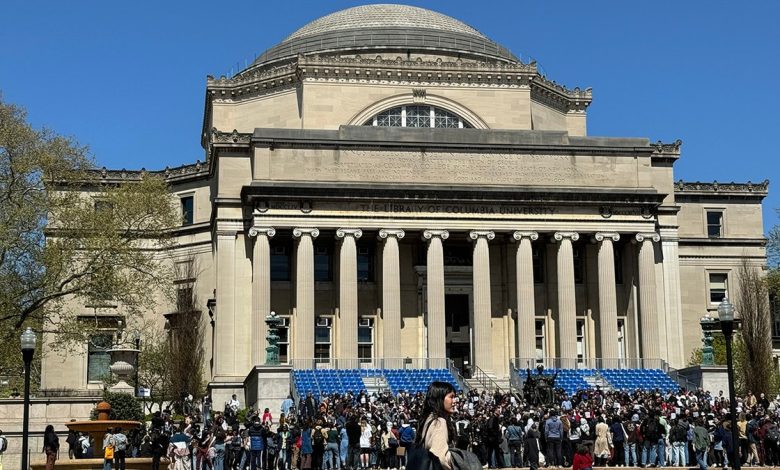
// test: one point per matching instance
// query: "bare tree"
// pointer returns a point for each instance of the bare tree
(752, 303)
(187, 327)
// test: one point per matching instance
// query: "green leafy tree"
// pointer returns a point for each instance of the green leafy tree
(66, 233)
(123, 407)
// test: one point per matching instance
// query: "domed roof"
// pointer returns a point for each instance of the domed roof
(386, 27)
(384, 15)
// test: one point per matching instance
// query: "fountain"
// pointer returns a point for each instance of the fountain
(97, 429)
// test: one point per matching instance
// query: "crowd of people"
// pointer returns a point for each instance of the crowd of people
(361, 431)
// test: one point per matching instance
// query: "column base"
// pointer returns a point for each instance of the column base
(267, 387)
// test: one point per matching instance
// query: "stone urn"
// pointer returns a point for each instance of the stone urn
(122, 366)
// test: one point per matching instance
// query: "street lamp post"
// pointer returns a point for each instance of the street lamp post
(726, 316)
(28, 350)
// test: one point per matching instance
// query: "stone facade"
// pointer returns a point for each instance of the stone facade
(510, 236)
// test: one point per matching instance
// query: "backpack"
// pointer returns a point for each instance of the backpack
(773, 434)
(236, 443)
(407, 435)
(120, 442)
(392, 441)
(256, 443)
(319, 439)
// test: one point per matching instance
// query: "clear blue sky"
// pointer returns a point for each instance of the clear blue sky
(128, 78)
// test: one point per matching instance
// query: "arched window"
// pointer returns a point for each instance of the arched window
(418, 116)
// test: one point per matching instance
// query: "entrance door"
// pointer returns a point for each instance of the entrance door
(457, 322)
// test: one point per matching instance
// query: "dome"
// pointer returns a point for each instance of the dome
(386, 27)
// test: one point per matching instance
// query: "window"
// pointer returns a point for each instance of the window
(322, 265)
(538, 264)
(541, 344)
(322, 331)
(418, 116)
(621, 337)
(579, 264)
(187, 210)
(714, 224)
(280, 262)
(365, 263)
(582, 349)
(98, 357)
(184, 299)
(458, 255)
(103, 206)
(718, 290)
(284, 340)
(366, 339)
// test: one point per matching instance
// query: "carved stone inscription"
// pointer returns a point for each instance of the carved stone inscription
(455, 168)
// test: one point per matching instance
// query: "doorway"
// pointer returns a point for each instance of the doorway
(458, 324)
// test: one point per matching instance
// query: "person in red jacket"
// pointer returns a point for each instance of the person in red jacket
(582, 459)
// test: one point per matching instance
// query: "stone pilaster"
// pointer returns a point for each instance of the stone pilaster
(648, 303)
(225, 357)
(435, 281)
(483, 343)
(607, 294)
(526, 304)
(671, 268)
(304, 292)
(261, 290)
(567, 305)
(391, 293)
(348, 293)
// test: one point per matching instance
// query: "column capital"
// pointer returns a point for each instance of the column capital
(349, 232)
(559, 236)
(267, 231)
(601, 236)
(429, 234)
(298, 232)
(391, 232)
(519, 235)
(649, 236)
(477, 234)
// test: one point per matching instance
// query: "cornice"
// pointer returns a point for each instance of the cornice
(464, 73)
(682, 188)
(173, 175)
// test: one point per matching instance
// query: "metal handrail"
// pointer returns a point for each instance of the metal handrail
(383, 363)
(294, 388)
(521, 363)
(484, 379)
(456, 374)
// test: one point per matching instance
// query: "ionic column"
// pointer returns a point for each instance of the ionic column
(607, 294)
(648, 305)
(225, 356)
(435, 280)
(526, 305)
(348, 295)
(567, 305)
(304, 292)
(483, 343)
(261, 290)
(391, 293)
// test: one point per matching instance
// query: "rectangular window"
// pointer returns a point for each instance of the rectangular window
(718, 290)
(187, 210)
(714, 224)
(280, 262)
(184, 299)
(538, 264)
(98, 357)
(284, 340)
(579, 264)
(322, 264)
(365, 263)
(103, 206)
(541, 344)
(366, 339)
(322, 339)
(582, 349)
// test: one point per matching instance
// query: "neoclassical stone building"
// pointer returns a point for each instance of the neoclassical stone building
(396, 185)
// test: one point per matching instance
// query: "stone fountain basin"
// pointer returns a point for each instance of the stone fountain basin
(97, 429)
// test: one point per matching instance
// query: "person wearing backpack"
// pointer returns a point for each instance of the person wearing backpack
(701, 443)
(405, 441)
(256, 445)
(108, 449)
(679, 439)
(120, 449)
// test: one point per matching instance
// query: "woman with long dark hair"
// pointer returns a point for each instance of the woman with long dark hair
(435, 430)
(51, 446)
